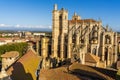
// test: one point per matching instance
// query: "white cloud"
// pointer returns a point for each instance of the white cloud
(26, 26)
(4, 25)
(50, 27)
(17, 25)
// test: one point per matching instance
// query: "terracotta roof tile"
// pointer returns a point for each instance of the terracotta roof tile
(94, 72)
(77, 71)
(81, 21)
(25, 67)
(57, 74)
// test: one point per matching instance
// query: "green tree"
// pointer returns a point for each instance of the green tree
(20, 47)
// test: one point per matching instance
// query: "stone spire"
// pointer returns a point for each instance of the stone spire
(75, 13)
(55, 7)
(76, 17)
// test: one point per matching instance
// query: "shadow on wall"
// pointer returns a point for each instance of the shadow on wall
(19, 73)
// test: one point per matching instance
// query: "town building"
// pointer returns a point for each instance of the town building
(9, 58)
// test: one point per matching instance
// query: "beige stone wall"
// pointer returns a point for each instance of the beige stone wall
(6, 62)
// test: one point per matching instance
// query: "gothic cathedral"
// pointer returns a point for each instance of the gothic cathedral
(78, 38)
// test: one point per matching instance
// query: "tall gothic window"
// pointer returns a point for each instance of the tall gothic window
(74, 38)
(95, 28)
(60, 24)
(107, 39)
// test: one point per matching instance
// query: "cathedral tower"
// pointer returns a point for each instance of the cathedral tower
(59, 30)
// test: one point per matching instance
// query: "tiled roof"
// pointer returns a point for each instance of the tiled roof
(10, 54)
(93, 72)
(91, 58)
(57, 74)
(77, 71)
(81, 21)
(25, 68)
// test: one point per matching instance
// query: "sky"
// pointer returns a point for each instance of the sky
(38, 13)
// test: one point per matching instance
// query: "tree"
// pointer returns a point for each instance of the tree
(20, 47)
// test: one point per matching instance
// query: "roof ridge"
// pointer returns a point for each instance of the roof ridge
(30, 48)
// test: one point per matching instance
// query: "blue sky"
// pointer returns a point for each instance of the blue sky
(38, 13)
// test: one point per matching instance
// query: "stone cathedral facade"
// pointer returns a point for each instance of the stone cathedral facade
(78, 37)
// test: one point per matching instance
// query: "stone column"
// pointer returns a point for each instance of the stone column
(103, 52)
(118, 47)
(96, 50)
(37, 47)
(62, 47)
(112, 55)
(44, 47)
(82, 57)
(108, 57)
(99, 40)
(69, 44)
(115, 43)
(83, 62)
(86, 46)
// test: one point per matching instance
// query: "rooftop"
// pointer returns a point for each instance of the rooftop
(10, 54)
(82, 21)
(77, 71)
(25, 67)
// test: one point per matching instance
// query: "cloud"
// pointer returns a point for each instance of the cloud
(26, 26)
(4, 25)
(17, 25)
(50, 27)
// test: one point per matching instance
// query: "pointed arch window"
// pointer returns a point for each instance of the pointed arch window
(107, 39)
